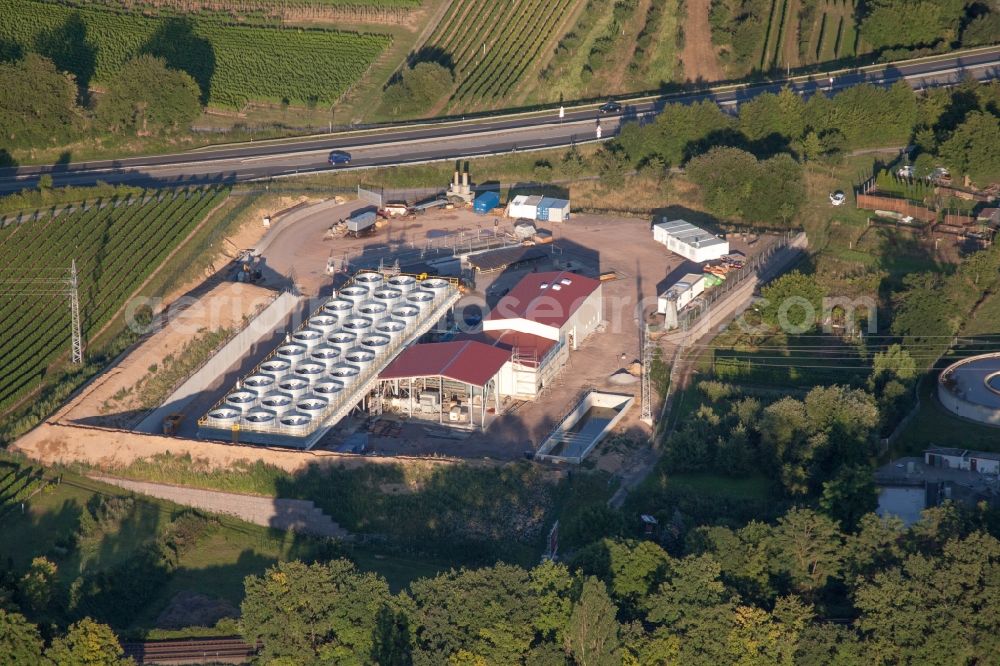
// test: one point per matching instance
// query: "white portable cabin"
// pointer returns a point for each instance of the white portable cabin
(551, 209)
(544, 209)
(679, 296)
(523, 206)
(691, 242)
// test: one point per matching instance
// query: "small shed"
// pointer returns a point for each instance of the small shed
(486, 202)
(524, 206)
(551, 209)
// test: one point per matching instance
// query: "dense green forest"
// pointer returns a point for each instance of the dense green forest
(800, 590)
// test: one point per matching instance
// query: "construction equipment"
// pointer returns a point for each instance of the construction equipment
(247, 267)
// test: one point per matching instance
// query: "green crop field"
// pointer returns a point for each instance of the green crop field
(17, 484)
(116, 243)
(831, 33)
(232, 63)
(491, 44)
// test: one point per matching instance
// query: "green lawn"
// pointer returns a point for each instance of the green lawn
(986, 320)
(215, 567)
(935, 426)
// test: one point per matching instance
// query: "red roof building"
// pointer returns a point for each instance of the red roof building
(524, 345)
(548, 305)
(465, 361)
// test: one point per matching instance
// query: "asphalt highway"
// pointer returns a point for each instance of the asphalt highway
(454, 139)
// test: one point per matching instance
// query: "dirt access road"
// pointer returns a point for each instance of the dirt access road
(700, 57)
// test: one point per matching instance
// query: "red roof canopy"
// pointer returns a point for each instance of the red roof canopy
(508, 339)
(552, 304)
(464, 361)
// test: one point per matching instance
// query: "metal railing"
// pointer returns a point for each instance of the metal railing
(693, 312)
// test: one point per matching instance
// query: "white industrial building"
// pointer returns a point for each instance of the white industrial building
(984, 462)
(691, 242)
(544, 209)
(679, 296)
(539, 321)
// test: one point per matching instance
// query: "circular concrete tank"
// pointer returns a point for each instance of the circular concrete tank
(291, 352)
(338, 307)
(324, 323)
(970, 388)
(277, 402)
(275, 367)
(326, 355)
(260, 417)
(241, 400)
(360, 357)
(296, 387)
(342, 340)
(308, 337)
(358, 325)
(223, 417)
(405, 283)
(259, 384)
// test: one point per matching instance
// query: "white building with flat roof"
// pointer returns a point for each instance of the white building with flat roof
(679, 296)
(691, 242)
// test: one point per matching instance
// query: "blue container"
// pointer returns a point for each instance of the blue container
(542, 214)
(486, 202)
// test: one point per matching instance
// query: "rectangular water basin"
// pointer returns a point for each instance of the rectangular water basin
(584, 427)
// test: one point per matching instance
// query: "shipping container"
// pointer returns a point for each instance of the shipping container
(486, 202)
(551, 209)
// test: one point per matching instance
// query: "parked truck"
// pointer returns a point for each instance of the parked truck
(361, 222)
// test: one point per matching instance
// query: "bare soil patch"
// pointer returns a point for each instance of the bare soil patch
(700, 57)
(112, 450)
(114, 398)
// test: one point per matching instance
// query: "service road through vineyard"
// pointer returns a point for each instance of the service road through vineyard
(116, 243)
(233, 64)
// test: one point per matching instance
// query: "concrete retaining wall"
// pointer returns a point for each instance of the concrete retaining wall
(259, 327)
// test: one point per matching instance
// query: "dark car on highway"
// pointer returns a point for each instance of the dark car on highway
(340, 157)
(610, 107)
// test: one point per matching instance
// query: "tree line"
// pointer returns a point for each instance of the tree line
(749, 165)
(801, 590)
(42, 106)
